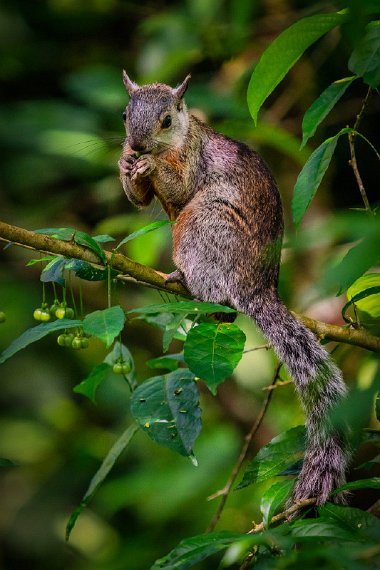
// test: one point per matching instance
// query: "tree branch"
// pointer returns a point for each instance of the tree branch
(147, 276)
(243, 453)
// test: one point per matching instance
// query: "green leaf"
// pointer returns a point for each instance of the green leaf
(145, 230)
(273, 498)
(212, 351)
(365, 59)
(103, 238)
(362, 525)
(195, 549)
(89, 385)
(274, 457)
(365, 294)
(79, 237)
(358, 260)
(169, 361)
(358, 297)
(321, 530)
(185, 307)
(171, 329)
(36, 333)
(167, 409)
(311, 176)
(322, 106)
(106, 324)
(41, 260)
(6, 462)
(106, 466)
(53, 272)
(283, 53)
(372, 483)
(85, 270)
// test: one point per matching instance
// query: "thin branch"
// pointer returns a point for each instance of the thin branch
(278, 384)
(353, 162)
(247, 442)
(132, 271)
(285, 514)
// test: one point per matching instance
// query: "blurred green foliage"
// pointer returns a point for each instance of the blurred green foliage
(60, 137)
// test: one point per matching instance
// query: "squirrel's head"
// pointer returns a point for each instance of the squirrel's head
(156, 117)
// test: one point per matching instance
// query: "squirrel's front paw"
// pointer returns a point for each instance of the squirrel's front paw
(125, 164)
(143, 166)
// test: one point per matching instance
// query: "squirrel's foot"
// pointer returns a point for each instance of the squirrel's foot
(176, 277)
(143, 166)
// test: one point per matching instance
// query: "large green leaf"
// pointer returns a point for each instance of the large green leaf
(167, 409)
(89, 385)
(283, 53)
(195, 549)
(322, 106)
(273, 498)
(145, 230)
(311, 175)
(36, 333)
(273, 458)
(365, 59)
(169, 361)
(106, 324)
(372, 483)
(212, 351)
(361, 523)
(106, 466)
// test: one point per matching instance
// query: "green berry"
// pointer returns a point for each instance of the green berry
(2, 317)
(37, 314)
(77, 342)
(84, 342)
(126, 366)
(62, 340)
(53, 308)
(60, 313)
(44, 315)
(117, 368)
(69, 340)
(69, 313)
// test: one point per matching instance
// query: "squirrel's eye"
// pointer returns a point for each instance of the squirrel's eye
(124, 116)
(167, 121)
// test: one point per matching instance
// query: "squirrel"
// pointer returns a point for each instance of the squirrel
(227, 241)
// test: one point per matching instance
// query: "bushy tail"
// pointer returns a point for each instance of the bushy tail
(320, 387)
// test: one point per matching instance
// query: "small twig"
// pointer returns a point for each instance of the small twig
(247, 442)
(285, 514)
(353, 163)
(278, 384)
(259, 347)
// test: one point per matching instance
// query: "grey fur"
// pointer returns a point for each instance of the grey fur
(226, 247)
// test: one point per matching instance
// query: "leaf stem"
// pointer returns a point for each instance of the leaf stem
(224, 493)
(353, 162)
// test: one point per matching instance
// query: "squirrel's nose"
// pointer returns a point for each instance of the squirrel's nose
(138, 147)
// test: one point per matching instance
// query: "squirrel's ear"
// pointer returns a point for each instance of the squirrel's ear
(179, 91)
(130, 85)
